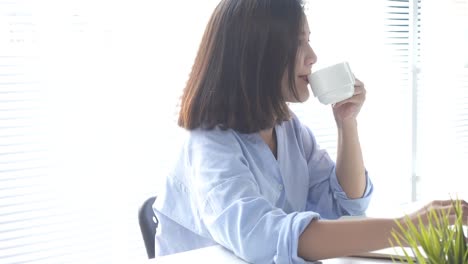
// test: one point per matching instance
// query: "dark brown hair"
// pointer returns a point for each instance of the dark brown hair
(236, 79)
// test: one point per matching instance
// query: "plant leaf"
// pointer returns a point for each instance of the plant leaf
(437, 242)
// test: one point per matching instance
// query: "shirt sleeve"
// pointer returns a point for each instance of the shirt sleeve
(326, 196)
(233, 209)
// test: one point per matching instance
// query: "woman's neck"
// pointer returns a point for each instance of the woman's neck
(269, 136)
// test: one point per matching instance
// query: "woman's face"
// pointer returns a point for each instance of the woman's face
(305, 58)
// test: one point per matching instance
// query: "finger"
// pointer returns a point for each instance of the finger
(449, 202)
(358, 82)
(359, 90)
(465, 211)
(347, 101)
(441, 202)
(443, 207)
(355, 99)
(464, 203)
(448, 210)
(453, 220)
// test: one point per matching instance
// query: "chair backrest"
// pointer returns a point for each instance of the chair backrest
(148, 225)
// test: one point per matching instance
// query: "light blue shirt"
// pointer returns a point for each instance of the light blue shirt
(227, 188)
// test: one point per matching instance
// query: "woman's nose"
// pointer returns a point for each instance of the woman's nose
(311, 57)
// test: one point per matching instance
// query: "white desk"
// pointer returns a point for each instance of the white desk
(218, 254)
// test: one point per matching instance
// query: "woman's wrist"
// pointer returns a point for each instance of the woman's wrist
(346, 124)
(347, 129)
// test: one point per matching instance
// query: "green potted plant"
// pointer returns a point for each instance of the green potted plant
(436, 242)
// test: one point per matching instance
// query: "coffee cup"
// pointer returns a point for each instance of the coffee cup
(332, 84)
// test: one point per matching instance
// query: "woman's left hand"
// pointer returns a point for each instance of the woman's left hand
(348, 109)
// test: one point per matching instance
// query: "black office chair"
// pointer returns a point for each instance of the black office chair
(148, 225)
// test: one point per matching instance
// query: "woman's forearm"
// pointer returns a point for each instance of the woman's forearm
(324, 239)
(350, 169)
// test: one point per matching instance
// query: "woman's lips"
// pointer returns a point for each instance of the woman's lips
(304, 77)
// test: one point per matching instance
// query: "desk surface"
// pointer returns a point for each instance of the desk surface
(218, 254)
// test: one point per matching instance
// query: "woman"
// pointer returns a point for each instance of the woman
(250, 176)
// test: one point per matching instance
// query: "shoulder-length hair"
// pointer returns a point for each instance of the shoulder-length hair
(247, 48)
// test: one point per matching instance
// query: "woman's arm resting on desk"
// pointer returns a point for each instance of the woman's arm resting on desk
(324, 239)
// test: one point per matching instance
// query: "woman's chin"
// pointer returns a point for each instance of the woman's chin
(305, 97)
(302, 96)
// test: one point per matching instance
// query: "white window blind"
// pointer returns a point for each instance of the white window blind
(443, 100)
(63, 197)
(396, 101)
(29, 225)
(88, 91)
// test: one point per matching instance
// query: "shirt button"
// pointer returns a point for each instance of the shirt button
(280, 187)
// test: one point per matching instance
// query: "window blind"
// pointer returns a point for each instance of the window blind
(87, 130)
(41, 218)
(395, 105)
(443, 93)
(26, 200)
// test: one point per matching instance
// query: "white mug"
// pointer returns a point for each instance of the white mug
(333, 84)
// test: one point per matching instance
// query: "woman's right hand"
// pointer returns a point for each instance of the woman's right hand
(440, 207)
